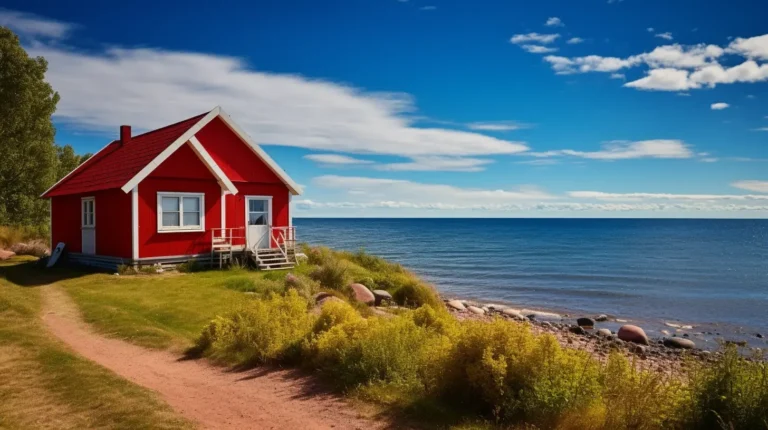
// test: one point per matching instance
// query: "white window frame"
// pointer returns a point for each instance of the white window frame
(92, 201)
(181, 229)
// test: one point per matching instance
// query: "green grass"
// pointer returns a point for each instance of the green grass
(44, 385)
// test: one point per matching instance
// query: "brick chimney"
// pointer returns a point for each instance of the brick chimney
(125, 134)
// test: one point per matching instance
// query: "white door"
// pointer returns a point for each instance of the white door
(88, 225)
(258, 218)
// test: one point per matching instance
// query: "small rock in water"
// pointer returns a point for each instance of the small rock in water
(604, 332)
(476, 310)
(758, 335)
(585, 322)
(456, 304)
(633, 333)
(602, 318)
(676, 342)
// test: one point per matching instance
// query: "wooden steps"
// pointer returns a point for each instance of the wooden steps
(274, 259)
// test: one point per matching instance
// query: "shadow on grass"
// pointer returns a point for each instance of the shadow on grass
(27, 272)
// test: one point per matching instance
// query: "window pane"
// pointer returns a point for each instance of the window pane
(90, 218)
(170, 204)
(191, 219)
(170, 219)
(256, 206)
(85, 218)
(257, 219)
(191, 204)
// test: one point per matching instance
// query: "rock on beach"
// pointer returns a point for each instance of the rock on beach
(382, 295)
(678, 342)
(456, 304)
(476, 310)
(362, 294)
(514, 314)
(633, 333)
(585, 322)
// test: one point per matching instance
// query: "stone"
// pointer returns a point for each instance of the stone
(514, 314)
(601, 318)
(585, 322)
(633, 333)
(456, 304)
(576, 329)
(321, 295)
(679, 342)
(4, 254)
(541, 315)
(362, 294)
(604, 332)
(639, 349)
(382, 295)
(476, 310)
(292, 281)
(328, 299)
(758, 335)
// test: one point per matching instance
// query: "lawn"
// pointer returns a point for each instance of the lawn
(44, 385)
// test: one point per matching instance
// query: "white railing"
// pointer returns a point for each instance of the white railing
(285, 239)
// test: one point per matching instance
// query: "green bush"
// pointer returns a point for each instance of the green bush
(730, 393)
(332, 275)
(190, 266)
(262, 331)
(12, 235)
(415, 294)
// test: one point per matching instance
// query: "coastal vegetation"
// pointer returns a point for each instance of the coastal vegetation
(414, 359)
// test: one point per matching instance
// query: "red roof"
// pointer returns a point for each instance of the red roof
(116, 164)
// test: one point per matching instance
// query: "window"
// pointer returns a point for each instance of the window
(258, 212)
(88, 212)
(180, 212)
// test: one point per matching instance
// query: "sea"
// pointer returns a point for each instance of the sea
(710, 274)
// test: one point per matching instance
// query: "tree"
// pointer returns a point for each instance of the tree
(29, 156)
(68, 160)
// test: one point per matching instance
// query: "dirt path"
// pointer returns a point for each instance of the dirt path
(216, 399)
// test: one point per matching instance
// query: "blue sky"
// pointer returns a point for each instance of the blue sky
(440, 108)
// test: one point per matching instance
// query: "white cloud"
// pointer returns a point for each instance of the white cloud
(650, 29)
(664, 80)
(33, 26)
(554, 22)
(575, 40)
(683, 57)
(761, 129)
(756, 186)
(373, 189)
(428, 8)
(336, 159)
(621, 150)
(667, 35)
(533, 38)
(590, 63)
(748, 71)
(753, 47)
(496, 126)
(719, 106)
(445, 164)
(538, 49)
(599, 195)
(618, 76)
(150, 88)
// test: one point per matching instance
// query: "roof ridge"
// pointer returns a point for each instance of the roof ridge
(170, 125)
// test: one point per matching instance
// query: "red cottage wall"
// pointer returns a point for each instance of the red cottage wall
(113, 222)
(181, 172)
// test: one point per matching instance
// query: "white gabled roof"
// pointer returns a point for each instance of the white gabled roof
(189, 136)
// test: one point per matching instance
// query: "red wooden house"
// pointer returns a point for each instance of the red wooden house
(197, 189)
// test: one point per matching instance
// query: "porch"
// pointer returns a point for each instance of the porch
(270, 247)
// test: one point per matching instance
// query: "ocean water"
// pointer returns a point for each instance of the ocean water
(710, 273)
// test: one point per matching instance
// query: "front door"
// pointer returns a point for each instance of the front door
(88, 225)
(258, 218)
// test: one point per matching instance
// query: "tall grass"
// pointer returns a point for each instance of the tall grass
(499, 370)
(25, 240)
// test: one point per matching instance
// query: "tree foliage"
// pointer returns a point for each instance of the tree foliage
(29, 156)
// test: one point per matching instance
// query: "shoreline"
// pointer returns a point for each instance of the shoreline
(562, 323)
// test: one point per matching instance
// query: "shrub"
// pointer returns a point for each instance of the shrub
(373, 263)
(190, 266)
(415, 294)
(334, 313)
(305, 286)
(11, 235)
(34, 248)
(731, 392)
(262, 331)
(260, 286)
(332, 275)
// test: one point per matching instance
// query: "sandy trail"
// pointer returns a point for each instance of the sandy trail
(210, 396)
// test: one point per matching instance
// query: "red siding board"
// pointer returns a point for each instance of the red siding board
(113, 222)
(235, 158)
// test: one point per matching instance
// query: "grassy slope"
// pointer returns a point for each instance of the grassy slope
(44, 385)
(155, 311)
